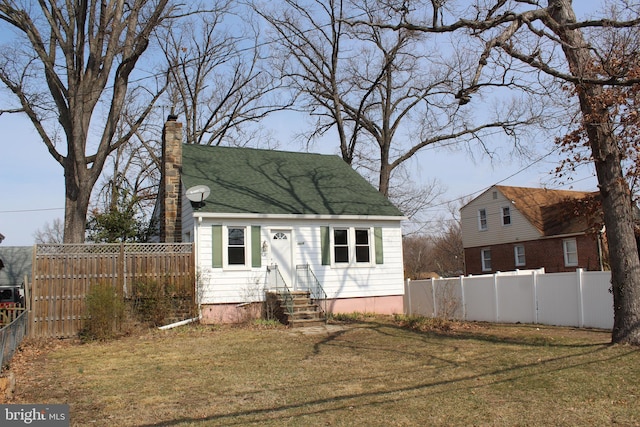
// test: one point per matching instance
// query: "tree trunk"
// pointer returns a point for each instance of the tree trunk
(78, 186)
(614, 191)
(385, 172)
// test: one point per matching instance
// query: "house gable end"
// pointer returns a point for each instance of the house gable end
(495, 206)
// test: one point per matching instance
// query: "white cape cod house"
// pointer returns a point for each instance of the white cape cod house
(262, 219)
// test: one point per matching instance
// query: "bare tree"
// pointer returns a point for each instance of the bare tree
(50, 233)
(551, 41)
(388, 94)
(448, 251)
(307, 41)
(217, 78)
(125, 195)
(417, 253)
(73, 65)
(440, 253)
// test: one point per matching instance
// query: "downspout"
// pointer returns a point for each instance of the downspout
(196, 255)
(180, 323)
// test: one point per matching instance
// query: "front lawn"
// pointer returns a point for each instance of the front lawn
(370, 373)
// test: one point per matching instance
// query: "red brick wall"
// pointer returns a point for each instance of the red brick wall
(547, 253)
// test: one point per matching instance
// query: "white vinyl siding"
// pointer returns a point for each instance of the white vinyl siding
(354, 280)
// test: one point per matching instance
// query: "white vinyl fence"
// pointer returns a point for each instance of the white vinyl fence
(581, 299)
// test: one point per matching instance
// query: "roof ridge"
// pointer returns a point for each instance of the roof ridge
(270, 150)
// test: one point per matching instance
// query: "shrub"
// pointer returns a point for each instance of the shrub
(157, 302)
(352, 317)
(105, 311)
(423, 324)
(150, 302)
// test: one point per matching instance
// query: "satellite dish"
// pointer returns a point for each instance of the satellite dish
(198, 193)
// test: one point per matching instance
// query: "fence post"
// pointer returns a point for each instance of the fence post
(31, 314)
(433, 297)
(122, 281)
(27, 303)
(535, 296)
(579, 272)
(464, 304)
(408, 284)
(495, 296)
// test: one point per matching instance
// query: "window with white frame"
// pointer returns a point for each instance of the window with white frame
(341, 245)
(506, 215)
(236, 246)
(362, 245)
(485, 257)
(570, 250)
(482, 219)
(518, 252)
(350, 245)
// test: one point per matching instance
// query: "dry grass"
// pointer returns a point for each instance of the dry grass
(372, 373)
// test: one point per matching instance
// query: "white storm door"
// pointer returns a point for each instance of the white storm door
(282, 252)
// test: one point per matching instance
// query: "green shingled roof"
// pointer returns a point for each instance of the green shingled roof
(247, 180)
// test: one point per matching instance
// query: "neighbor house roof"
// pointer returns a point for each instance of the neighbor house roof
(553, 212)
(247, 180)
(17, 262)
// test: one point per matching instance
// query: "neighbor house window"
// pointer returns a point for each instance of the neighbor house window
(362, 245)
(236, 248)
(519, 255)
(340, 245)
(485, 256)
(506, 215)
(482, 219)
(570, 250)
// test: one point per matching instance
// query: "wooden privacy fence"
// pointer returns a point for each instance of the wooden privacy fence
(62, 275)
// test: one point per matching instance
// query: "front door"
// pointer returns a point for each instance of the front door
(282, 252)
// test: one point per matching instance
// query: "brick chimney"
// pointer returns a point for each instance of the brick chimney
(170, 186)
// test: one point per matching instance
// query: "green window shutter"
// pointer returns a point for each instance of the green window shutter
(216, 248)
(256, 256)
(325, 245)
(377, 235)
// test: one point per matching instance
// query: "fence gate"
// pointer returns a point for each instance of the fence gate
(62, 275)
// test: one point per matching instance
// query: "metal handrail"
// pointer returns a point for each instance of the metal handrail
(281, 287)
(307, 280)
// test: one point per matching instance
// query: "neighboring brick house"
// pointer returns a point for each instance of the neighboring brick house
(508, 228)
